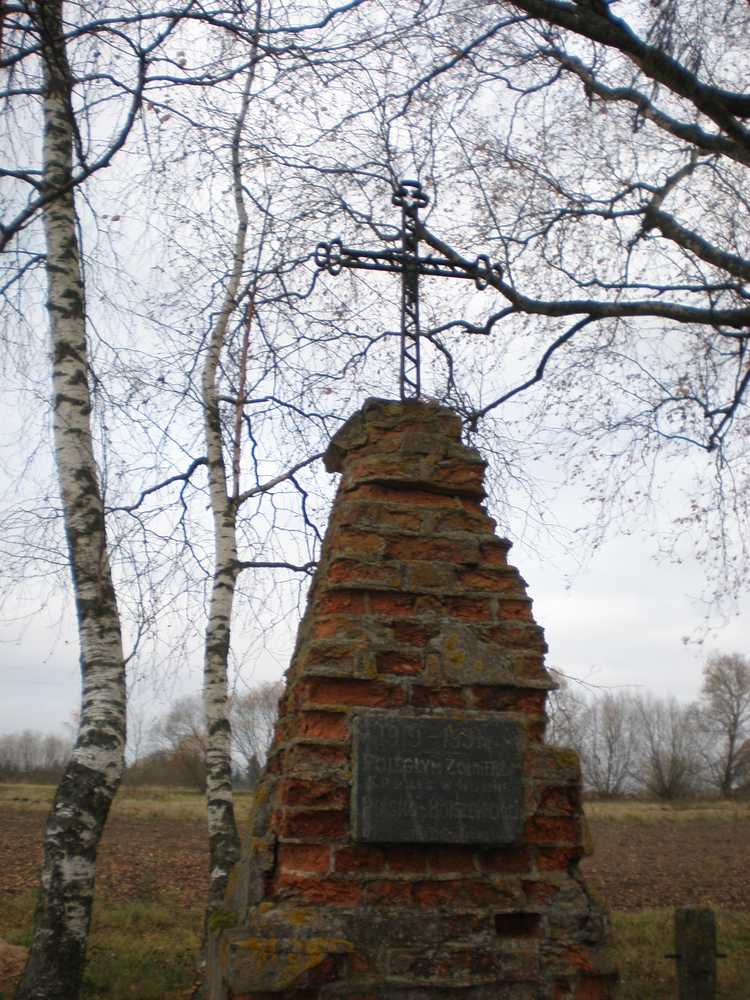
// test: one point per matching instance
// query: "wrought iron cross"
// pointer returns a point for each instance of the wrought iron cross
(407, 262)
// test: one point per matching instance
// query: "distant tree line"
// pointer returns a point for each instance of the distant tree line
(170, 751)
(629, 744)
(33, 756)
(639, 744)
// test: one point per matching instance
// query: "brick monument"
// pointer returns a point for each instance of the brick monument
(412, 837)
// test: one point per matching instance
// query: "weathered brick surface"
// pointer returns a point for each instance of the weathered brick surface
(414, 611)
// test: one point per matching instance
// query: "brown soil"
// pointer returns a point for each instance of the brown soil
(634, 865)
(671, 864)
(138, 859)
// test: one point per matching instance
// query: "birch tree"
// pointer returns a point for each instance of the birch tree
(226, 501)
(74, 149)
(92, 776)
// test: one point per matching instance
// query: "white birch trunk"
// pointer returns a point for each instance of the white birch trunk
(223, 841)
(61, 922)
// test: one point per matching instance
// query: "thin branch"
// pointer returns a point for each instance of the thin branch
(265, 487)
(536, 377)
(184, 477)
(308, 568)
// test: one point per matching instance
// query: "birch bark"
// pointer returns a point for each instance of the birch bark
(61, 921)
(224, 846)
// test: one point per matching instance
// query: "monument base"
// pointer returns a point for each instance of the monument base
(412, 837)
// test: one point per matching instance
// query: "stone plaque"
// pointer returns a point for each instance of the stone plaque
(437, 781)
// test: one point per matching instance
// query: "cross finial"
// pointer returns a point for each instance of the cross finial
(407, 262)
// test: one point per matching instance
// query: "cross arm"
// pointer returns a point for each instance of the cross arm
(334, 256)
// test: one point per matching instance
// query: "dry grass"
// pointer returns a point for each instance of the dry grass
(136, 951)
(641, 939)
(679, 811)
(147, 950)
(133, 803)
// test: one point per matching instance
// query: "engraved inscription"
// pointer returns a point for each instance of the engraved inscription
(437, 781)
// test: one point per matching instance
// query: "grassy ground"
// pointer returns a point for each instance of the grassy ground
(641, 939)
(147, 950)
(679, 811)
(137, 951)
(135, 803)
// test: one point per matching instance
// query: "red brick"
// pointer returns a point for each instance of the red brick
(358, 571)
(540, 893)
(468, 609)
(360, 964)
(346, 691)
(446, 697)
(460, 520)
(560, 798)
(500, 581)
(421, 547)
(399, 663)
(579, 955)
(391, 604)
(414, 633)
(475, 961)
(435, 575)
(407, 860)
(347, 602)
(443, 860)
(323, 725)
(325, 628)
(325, 972)
(320, 890)
(338, 654)
(512, 634)
(461, 892)
(388, 893)
(557, 859)
(535, 730)
(422, 497)
(365, 514)
(552, 763)
(495, 552)
(313, 824)
(426, 603)
(505, 859)
(508, 699)
(286, 729)
(367, 542)
(304, 857)
(323, 794)
(514, 609)
(550, 829)
(359, 859)
(473, 507)
(305, 758)
(595, 988)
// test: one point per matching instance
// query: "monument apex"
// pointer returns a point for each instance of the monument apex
(412, 836)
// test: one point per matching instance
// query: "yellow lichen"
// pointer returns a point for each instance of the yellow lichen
(263, 949)
(586, 839)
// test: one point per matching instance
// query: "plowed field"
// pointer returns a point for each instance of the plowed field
(635, 865)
